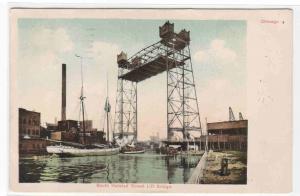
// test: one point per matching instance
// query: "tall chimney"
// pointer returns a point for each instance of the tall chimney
(63, 93)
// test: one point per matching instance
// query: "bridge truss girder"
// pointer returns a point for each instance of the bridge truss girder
(182, 104)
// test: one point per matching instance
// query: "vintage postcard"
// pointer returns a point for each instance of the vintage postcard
(150, 100)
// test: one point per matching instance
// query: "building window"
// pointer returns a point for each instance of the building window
(24, 121)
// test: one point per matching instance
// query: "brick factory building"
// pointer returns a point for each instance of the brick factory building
(33, 146)
(30, 141)
(29, 123)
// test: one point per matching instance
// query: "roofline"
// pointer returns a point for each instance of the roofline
(29, 110)
(227, 121)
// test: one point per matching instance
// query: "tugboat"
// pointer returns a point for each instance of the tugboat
(67, 149)
(132, 149)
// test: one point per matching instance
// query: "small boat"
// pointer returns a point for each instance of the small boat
(132, 149)
(134, 152)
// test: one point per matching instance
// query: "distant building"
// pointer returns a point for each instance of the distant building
(67, 125)
(227, 135)
(71, 125)
(88, 125)
(92, 137)
(72, 131)
(29, 123)
(51, 126)
(237, 127)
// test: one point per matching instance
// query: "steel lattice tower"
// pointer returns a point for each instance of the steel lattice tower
(183, 111)
(170, 54)
(125, 123)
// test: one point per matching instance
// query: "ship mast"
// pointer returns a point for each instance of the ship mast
(107, 126)
(107, 110)
(83, 121)
(82, 99)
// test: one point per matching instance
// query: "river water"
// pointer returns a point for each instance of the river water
(121, 168)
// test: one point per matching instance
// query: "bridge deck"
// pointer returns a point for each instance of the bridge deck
(151, 68)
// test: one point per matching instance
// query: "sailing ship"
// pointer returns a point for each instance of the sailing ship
(77, 149)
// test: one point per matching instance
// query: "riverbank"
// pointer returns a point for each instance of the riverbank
(237, 168)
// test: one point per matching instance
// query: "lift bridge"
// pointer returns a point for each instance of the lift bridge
(171, 54)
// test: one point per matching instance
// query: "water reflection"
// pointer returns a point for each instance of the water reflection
(142, 168)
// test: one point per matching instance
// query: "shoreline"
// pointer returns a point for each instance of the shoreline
(208, 170)
(237, 168)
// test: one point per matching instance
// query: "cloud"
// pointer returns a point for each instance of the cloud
(217, 54)
(104, 64)
(38, 68)
(200, 56)
(215, 98)
(105, 52)
(44, 48)
(50, 40)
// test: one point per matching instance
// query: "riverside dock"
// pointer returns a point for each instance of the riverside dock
(209, 169)
(197, 175)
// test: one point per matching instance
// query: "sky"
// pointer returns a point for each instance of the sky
(218, 51)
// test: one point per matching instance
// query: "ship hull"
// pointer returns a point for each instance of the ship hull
(134, 152)
(66, 151)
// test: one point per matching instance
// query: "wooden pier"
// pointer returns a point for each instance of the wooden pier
(197, 175)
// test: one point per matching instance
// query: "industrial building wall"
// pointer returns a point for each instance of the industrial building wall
(29, 123)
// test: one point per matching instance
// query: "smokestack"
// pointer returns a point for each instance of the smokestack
(63, 93)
